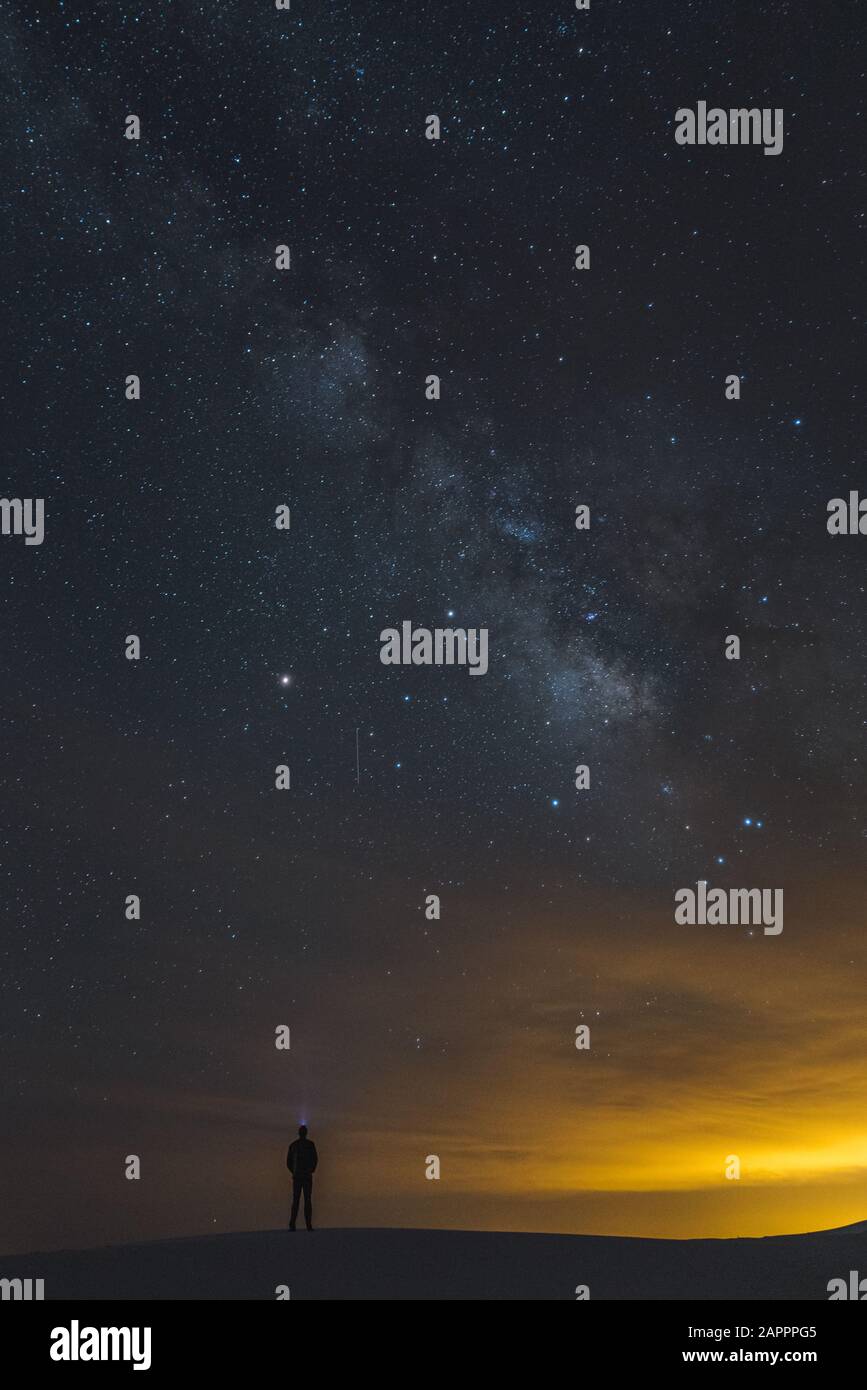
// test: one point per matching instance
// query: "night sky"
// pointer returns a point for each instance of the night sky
(260, 647)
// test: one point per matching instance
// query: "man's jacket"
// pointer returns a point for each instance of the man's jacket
(302, 1158)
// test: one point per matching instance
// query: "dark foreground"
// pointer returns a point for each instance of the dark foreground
(398, 1264)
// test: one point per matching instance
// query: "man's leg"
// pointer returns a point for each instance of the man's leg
(308, 1202)
(296, 1198)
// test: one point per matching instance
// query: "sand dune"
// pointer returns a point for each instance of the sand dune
(417, 1264)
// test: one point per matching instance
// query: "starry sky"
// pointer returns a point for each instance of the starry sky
(306, 388)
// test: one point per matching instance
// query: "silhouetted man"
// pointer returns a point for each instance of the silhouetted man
(301, 1161)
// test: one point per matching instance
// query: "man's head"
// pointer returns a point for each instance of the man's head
(302, 1131)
